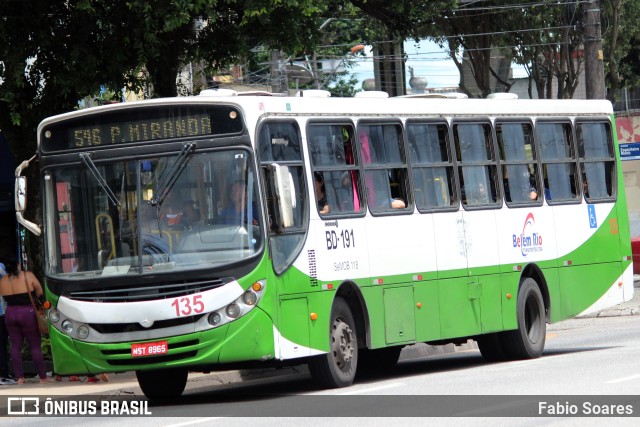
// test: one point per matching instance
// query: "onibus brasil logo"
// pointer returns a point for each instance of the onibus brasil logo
(529, 241)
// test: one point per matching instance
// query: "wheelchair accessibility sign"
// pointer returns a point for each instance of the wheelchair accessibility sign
(593, 222)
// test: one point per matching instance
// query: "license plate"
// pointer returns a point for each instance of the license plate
(149, 349)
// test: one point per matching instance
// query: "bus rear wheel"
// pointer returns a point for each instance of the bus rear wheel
(337, 368)
(527, 342)
(163, 383)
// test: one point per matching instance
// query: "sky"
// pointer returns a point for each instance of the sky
(427, 59)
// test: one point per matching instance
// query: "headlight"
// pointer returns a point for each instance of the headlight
(233, 310)
(67, 326)
(249, 298)
(214, 318)
(54, 316)
(82, 332)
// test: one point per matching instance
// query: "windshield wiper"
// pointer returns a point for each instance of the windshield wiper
(170, 175)
(86, 159)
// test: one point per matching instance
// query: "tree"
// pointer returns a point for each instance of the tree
(544, 37)
(53, 53)
(476, 31)
(392, 23)
(621, 36)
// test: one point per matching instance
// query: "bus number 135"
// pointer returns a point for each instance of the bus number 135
(187, 305)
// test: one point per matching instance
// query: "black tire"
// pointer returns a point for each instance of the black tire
(163, 383)
(490, 346)
(527, 342)
(337, 368)
(379, 360)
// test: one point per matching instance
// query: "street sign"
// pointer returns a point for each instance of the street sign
(630, 151)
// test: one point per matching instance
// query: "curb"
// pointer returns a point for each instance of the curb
(616, 312)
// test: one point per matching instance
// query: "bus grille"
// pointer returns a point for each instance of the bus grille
(148, 293)
(115, 328)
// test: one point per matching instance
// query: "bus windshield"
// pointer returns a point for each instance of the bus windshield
(207, 215)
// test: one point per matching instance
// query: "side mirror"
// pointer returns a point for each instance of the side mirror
(20, 199)
(285, 193)
(21, 194)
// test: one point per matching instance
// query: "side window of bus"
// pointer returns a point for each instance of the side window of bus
(432, 166)
(385, 167)
(279, 142)
(335, 168)
(519, 168)
(559, 170)
(477, 168)
(597, 160)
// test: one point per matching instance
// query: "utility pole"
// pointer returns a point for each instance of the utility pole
(594, 65)
(279, 81)
(388, 67)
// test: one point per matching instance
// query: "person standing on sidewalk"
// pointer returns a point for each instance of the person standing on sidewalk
(5, 378)
(20, 318)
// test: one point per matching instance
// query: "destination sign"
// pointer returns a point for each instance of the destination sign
(140, 130)
(138, 125)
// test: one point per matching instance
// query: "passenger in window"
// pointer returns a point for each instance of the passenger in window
(526, 191)
(323, 205)
(236, 210)
(171, 208)
(398, 203)
(393, 203)
(533, 190)
(190, 216)
(585, 188)
(547, 190)
(476, 195)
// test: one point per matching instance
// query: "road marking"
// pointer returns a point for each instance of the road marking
(188, 423)
(509, 365)
(620, 380)
(372, 389)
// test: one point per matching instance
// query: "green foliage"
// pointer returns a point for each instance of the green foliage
(621, 35)
(344, 88)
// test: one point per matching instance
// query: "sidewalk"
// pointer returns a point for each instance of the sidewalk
(125, 384)
(629, 308)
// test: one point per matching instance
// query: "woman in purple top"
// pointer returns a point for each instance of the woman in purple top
(20, 318)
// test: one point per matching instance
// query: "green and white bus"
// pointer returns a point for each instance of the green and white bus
(186, 235)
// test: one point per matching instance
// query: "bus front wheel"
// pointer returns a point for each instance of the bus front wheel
(527, 342)
(163, 383)
(337, 368)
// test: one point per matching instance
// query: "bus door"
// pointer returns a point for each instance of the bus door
(478, 294)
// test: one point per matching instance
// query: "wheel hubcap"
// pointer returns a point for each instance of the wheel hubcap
(342, 343)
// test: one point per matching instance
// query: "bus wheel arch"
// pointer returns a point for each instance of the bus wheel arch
(352, 295)
(533, 271)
